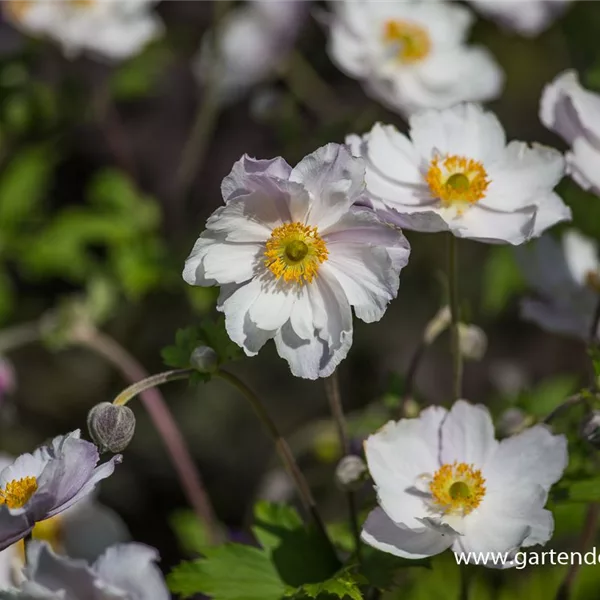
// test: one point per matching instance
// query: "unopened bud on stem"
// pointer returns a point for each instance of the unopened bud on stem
(351, 473)
(111, 426)
(204, 359)
(590, 430)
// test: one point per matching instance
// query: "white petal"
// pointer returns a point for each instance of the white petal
(382, 533)
(301, 318)
(346, 51)
(464, 130)
(213, 260)
(273, 305)
(581, 254)
(467, 435)
(536, 456)
(334, 178)
(522, 176)
(241, 180)
(556, 319)
(550, 211)
(398, 456)
(583, 164)
(235, 301)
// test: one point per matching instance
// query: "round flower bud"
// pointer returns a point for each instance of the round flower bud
(590, 430)
(472, 340)
(204, 359)
(351, 473)
(111, 426)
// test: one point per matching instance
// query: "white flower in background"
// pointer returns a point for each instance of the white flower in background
(253, 43)
(443, 481)
(292, 255)
(473, 341)
(126, 571)
(412, 55)
(38, 486)
(574, 113)
(527, 17)
(113, 29)
(456, 172)
(566, 278)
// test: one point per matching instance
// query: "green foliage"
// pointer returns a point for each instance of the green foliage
(502, 280)
(292, 561)
(548, 394)
(209, 333)
(190, 531)
(586, 490)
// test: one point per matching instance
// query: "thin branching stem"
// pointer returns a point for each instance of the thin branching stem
(457, 363)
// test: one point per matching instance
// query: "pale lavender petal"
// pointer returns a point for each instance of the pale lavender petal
(12, 527)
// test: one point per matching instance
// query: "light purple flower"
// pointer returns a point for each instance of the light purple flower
(7, 378)
(126, 571)
(574, 113)
(41, 485)
(566, 278)
(293, 253)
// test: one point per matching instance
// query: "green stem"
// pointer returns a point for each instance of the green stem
(19, 335)
(283, 449)
(332, 390)
(150, 382)
(457, 364)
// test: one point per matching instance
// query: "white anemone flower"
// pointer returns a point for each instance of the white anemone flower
(526, 17)
(456, 172)
(112, 29)
(292, 253)
(39, 486)
(444, 481)
(574, 113)
(566, 279)
(412, 55)
(253, 42)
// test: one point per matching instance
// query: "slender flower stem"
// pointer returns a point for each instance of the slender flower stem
(457, 365)
(282, 447)
(332, 390)
(568, 403)
(162, 419)
(411, 372)
(19, 335)
(205, 122)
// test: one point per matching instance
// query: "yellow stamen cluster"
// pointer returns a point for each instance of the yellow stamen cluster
(457, 488)
(411, 41)
(50, 530)
(18, 492)
(294, 252)
(457, 180)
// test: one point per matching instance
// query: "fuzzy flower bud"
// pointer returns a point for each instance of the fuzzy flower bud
(350, 473)
(473, 341)
(111, 426)
(204, 359)
(590, 430)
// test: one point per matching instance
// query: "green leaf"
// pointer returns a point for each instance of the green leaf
(343, 585)
(191, 533)
(23, 185)
(548, 394)
(587, 490)
(209, 333)
(381, 569)
(229, 572)
(502, 280)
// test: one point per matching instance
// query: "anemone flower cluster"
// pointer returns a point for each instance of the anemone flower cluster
(110, 29)
(412, 55)
(444, 481)
(39, 486)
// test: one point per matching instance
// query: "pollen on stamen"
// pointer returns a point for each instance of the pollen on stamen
(411, 40)
(294, 252)
(457, 488)
(18, 492)
(457, 180)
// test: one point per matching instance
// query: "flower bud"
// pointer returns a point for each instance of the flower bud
(437, 325)
(111, 426)
(351, 473)
(204, 359)
(472, 340)
(590, 430)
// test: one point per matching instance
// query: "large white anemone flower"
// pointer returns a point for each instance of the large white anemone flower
(292, 253)
(113, 29)
(526, 17)
(412, 55)
(444, 481)
(566, 278)
(455, 171)
(574, 113)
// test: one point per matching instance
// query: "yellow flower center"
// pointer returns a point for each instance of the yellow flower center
(592, 280)
(18, 492)
(411, 42)
(49, 531)
(294, 251)
(17, 9)
(457, 180)
(457, 488)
